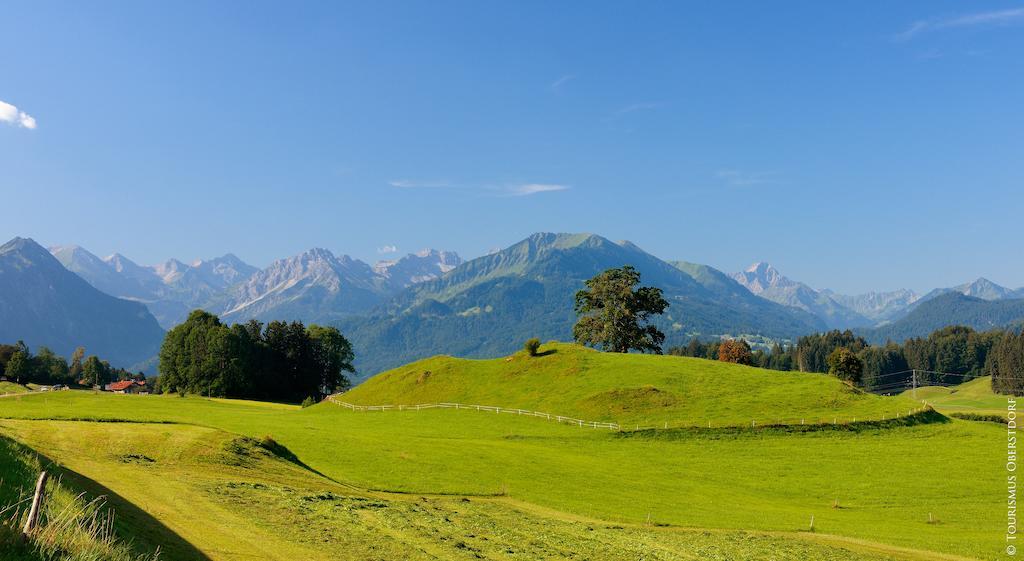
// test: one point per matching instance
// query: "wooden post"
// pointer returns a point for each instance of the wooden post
(37, 504)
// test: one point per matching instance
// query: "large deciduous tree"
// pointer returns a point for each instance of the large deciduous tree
(615, 312)
(736, 351)
(333, 356)
(845, 365)
(19, 366)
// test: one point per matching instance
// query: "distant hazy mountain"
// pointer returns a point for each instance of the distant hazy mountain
(980, 288)
(488, 306)
(951, 308)
(43, 303)
(879, 307)
(222, 272)
(170, 290)
(100, 273)
(767, 282)
(314, 286)
(415, 268)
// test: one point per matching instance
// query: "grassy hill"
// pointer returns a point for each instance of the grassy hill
(975, 396)
(8, 388)
(628, 388)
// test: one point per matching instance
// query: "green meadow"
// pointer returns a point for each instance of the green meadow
(223, 479)
(973, 397)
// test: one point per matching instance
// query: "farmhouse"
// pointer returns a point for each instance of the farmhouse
(127, 386)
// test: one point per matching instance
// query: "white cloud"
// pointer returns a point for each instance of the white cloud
(737, 178)
(11, 115)
(998, 17)
(388, 249)
(533, 188)
(410, 184)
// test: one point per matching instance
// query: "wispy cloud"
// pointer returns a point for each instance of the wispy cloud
(411, 184)
(493, 189)
(993, 18)
(737, 178)
(13, 116)
(387, 249)
(634, 107)
(527, 189)
(556, 86)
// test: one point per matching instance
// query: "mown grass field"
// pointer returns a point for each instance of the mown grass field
(200, 493)
(72, 527)
(887, 481)
(629, 389)
(536, 489)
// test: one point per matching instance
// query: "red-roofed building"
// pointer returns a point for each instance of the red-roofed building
(127, 386)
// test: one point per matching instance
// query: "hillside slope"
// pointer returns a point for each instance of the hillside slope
(975, 396)
(42, 303)
(576, 381)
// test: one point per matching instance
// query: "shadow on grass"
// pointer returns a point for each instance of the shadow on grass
(546, 353)
(133, 526)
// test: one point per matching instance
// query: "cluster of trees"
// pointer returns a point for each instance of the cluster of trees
(957, 350)
(278, 361)
(17, 363)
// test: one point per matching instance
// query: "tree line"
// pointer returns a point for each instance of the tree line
(278, 361)
(19, 364)
(957, 350)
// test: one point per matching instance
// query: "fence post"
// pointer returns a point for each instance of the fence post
(37, 504)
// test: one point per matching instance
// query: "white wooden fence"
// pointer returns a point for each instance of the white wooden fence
(484, 408)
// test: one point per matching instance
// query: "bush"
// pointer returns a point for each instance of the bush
(978, 417)
(308, 401)
(532, 346)
(736, 351)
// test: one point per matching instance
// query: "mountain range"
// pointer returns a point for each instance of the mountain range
(315, 286)
(872, 309)
(432, 302)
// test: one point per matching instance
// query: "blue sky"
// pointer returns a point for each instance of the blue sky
(857, 146)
